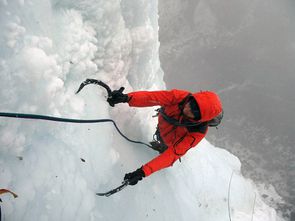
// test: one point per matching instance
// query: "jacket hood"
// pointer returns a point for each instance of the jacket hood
(209, 104)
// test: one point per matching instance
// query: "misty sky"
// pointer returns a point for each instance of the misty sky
(245, 51)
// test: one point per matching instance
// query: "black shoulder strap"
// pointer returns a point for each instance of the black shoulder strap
(191, 126)
(175, 122)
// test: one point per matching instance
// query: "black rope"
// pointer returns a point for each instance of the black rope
(67, 120)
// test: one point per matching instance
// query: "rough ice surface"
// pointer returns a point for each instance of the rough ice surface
(47, 49)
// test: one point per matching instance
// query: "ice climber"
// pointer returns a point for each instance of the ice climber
(183, 121)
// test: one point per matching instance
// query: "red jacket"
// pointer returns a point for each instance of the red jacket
(179, 140)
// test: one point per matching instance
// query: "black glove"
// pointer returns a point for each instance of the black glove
(117, 96)
(135, 176)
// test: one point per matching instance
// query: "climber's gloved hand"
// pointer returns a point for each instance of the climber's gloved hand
(134, 177)
(117, 96)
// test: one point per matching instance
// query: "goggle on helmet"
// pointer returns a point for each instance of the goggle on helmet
(216, 120)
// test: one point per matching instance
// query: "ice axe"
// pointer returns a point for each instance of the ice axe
(125, 183)
(100, 83)
(94, 81)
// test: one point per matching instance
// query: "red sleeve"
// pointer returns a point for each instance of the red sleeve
(167, 158)
(156, 98)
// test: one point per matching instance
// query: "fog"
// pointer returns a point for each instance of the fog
(245, 51)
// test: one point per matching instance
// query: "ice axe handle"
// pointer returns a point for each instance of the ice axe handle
(125, 183)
